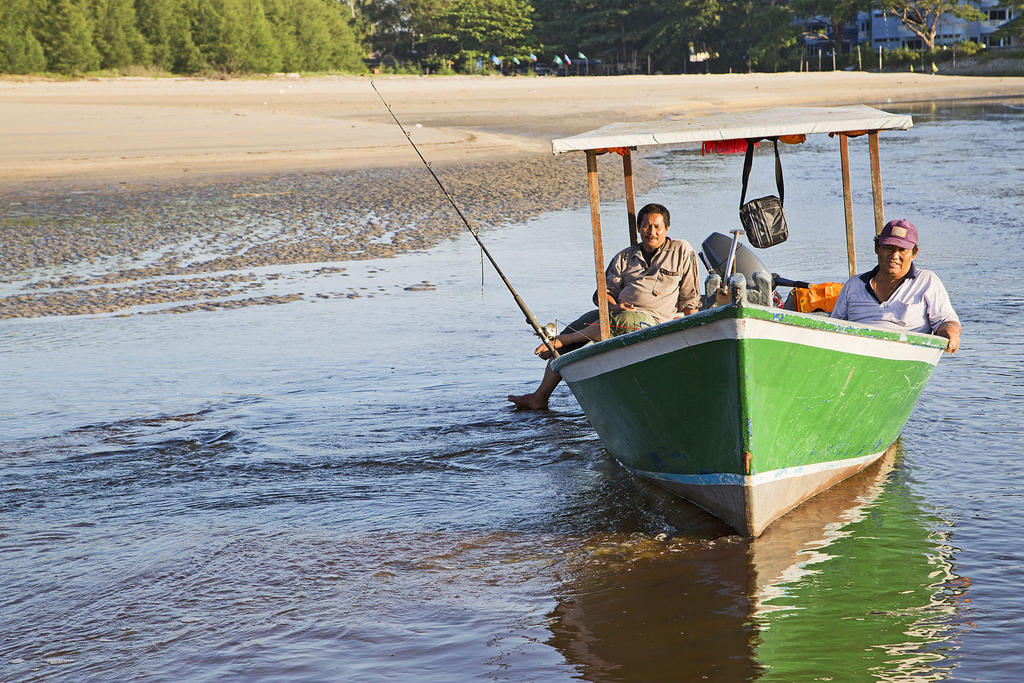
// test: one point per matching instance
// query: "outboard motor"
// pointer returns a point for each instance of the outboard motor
(715, 254)
(761, 283)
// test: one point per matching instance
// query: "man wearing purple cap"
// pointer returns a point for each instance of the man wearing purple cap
(898, 295)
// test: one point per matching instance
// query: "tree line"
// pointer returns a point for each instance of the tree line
(178, 36)
(441, 36)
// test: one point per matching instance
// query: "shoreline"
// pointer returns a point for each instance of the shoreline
(129, 130)
(133, 196)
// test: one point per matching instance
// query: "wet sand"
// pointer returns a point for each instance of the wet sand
(140, 195)
(118, 247)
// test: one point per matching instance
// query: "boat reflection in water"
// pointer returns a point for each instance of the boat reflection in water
(855, 583)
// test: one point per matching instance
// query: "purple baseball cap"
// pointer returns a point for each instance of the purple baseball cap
(899, 233)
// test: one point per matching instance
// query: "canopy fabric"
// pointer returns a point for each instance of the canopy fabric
(760, 123)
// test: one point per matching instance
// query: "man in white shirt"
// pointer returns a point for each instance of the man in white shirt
(896, 294)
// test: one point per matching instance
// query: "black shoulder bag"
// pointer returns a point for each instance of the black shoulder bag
(763, 219)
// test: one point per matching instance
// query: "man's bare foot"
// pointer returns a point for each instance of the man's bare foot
(529, 402)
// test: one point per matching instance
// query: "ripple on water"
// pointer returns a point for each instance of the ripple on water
(336, 489)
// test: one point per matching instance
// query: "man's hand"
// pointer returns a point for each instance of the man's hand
(614, 305)
(950, 331)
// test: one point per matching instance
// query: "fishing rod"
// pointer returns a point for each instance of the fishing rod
(537, 328)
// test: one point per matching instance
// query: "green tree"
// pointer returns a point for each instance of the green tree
(681, 24)
(922, 16)
(116, 34)
(219, 33)
(66, 34)
(262, 52)
(836, 14)
(344, 54)
(553, 22)
(315, 35)
(235, 35)
(774, 39)
(479, 28)
(729, 40)
(403, 29)
(284, 33)
(167, 27)
(613, 30)
(739, 34)
(753, 35)
(20, 50)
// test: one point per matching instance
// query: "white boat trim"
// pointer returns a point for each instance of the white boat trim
(747, 328)
(755, 480)
(750, 503)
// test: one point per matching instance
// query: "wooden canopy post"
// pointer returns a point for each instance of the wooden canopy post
(844, 156)
(627, 175)
(595, 223)
(876, 181)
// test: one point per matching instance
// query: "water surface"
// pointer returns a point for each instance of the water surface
(336, 489)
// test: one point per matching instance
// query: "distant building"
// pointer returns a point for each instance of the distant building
(888, 32)
(880, 29)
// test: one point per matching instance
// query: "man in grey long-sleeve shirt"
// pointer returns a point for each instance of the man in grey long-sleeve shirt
(647, 284)
(662, 281)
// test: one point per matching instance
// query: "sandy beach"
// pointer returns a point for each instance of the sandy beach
(125, 129)
(107, 186)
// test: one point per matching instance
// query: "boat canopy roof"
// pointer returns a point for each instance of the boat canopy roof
(761, 123)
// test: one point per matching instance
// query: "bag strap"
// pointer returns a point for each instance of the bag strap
(746, 171)
(778, 174)
(748, 161)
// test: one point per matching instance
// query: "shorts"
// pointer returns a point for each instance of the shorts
(622, 322)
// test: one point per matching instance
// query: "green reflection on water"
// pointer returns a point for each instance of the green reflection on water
(855, 584)
(877, 601)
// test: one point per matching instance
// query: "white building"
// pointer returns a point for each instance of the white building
(888, 32)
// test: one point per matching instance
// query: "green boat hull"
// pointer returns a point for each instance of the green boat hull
(749, 411)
